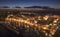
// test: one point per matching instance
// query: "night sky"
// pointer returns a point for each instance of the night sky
(23, 3)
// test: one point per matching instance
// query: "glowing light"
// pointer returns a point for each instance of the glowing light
(55, 21)
(50, 27)
(27, 26)
(54, 24)
(46, 34)
(46, 17)
(50, 24)
(44, 27)
(39, 17)
(50, 35)
(52, 32)
(35, 21)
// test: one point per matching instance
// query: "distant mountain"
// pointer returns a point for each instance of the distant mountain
(44, 7)
(33, 7)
